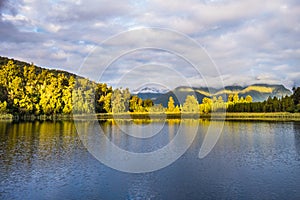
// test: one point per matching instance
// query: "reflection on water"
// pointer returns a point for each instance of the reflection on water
(297, 136)
(47, 160)
(27, 140)
(142, 135)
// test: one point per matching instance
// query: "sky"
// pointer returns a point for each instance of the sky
(158, 42)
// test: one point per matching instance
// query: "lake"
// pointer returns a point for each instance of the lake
(251, 160)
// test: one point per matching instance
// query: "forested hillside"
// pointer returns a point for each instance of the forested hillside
(28, 89)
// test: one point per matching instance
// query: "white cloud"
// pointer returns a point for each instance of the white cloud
(249, 40)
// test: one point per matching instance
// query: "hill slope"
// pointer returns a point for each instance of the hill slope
(28, 89)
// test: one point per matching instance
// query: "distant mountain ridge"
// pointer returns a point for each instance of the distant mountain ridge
(149, 92)
(259, 92)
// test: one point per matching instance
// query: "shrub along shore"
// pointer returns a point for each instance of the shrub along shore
(278, 116)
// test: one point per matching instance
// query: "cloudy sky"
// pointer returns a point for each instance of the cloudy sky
(239, 42)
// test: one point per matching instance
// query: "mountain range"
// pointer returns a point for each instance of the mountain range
(149, 89)
(259, 92)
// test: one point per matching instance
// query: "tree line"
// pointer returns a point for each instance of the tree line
(235, 103)
(29, 90)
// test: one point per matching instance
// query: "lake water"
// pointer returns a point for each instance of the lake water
(251, 160)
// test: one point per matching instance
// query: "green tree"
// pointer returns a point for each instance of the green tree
(191, 104)
(67, 96)
(147, 104)
(126, 98)
(214, 99)
(242, 100)
(78, 101)
(206, 105)
(248, 99)
(32, 95)
(288, 104)
(235, 98)
(3, 107)
(171, 104)
(157, 109)
(8, 73)
(230, 98)
(220, 100)
(176, 109)
(268, 107)
(103, 97)
(219, 105)
(16, 94)
(296, 98)
(107, 102)
(117, 103)
(136, 104)
(276, 105)
(3, 93)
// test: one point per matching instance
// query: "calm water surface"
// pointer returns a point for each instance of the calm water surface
(251, 160)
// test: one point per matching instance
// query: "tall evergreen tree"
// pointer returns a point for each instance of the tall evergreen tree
(171, 104)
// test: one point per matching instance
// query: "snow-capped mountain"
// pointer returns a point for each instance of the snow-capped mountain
(151, 90)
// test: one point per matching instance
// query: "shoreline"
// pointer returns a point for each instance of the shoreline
(279, 116)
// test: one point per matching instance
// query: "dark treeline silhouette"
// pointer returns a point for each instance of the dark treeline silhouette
(235, 103)
(284, 104)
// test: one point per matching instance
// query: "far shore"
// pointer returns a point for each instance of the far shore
(279, 116)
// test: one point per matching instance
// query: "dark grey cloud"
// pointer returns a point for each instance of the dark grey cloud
(10, 32)
(2, 3)
(9, 6)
